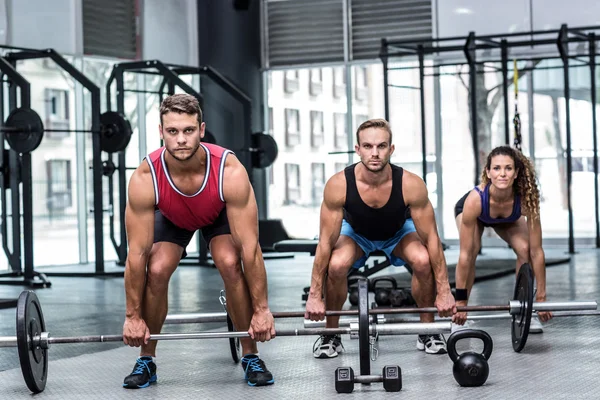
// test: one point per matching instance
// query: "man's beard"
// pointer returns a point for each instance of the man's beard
(382, 165)
(193, 152)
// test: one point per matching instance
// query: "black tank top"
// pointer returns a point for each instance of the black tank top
(375, 223)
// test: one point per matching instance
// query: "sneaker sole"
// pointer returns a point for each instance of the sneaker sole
(145, 385)
(272, 381)
(325, 355)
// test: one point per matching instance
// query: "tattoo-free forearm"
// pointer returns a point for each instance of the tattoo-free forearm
(538, 263)
(438, 263)
(135, 282)
(256, 277)
(319, 271)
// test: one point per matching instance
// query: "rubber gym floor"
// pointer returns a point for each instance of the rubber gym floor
(560, 363)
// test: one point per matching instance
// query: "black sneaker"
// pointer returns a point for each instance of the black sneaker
(256, 372)
(143, 374)
(328, 346)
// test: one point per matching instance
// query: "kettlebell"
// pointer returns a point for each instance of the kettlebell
(470, 368)
(353, 289)
(382, 289)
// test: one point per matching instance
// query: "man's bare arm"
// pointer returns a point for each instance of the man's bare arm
(332, 213)
(421, 210)
(139, 223)
(242, 214)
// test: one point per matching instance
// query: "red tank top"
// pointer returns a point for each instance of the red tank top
(194, 211)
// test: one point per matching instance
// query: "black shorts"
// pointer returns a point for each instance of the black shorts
(167, 231)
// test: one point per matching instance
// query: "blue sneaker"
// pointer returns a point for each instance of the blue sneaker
(256, 372)
(143, 374)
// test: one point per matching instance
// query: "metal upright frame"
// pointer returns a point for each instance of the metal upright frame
(17, 168)
(394, 49)
(28, 54)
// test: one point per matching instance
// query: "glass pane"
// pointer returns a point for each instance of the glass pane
(98, 71)
(457, 146)
(303, 104)
(551, 143)
(54, 178)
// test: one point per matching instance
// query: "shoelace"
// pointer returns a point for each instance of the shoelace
(254, 364)
(141, 365)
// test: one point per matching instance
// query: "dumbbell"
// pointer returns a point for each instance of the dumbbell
(382, 287)
(391, 377)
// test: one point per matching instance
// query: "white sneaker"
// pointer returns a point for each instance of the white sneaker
(535, 326)
(328, 346)
(432, 344)
(456, 327)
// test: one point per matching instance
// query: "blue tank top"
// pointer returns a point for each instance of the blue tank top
(485, 208)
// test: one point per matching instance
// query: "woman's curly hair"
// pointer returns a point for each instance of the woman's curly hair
(525, 184)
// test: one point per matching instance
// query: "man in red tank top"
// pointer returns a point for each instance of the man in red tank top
(180, 188)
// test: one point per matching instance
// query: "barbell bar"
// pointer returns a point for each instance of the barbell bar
(44, 340)
(382, 320)
(512, 309)
(24, 130)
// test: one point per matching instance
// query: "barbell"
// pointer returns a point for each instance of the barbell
(24, 130)
(33, 340)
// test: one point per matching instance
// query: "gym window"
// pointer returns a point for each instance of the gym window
(271, 122)
(318, 182)
(58, 193)
(317, 129)
(360, 83)
(57, 112)
(341, 137)
(339, 82)
(316, 82)
(292, 127)
(359, 119)
(340, 166)
(290, 83)
(292, 184)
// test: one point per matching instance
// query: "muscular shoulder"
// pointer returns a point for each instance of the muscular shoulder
(414, 189)
(141, 188)
(236, 183)
(335, 190)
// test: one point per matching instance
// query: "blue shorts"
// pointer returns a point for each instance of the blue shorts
(387, 246)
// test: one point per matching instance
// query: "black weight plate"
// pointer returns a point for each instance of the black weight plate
(28, 130)
(267, 150)
(115, 132)
(524, 294)
(30, 323)
(363, 327)
(234, 343)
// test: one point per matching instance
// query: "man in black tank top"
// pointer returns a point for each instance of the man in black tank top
(365, 209)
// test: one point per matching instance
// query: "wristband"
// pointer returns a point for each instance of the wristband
(461, 294)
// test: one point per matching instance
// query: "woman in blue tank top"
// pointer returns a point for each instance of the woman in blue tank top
(507, 200)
